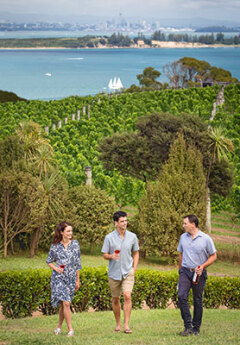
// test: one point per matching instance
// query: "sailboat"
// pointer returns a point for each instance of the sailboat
(115, 84)
(110, 84)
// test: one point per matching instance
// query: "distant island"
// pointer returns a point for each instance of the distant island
(218, 29)
(157, 40)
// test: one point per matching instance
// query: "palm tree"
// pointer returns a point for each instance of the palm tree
(219, 148)
(31, 136)
(44, 160)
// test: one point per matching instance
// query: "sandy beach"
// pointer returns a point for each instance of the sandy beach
(155, 45)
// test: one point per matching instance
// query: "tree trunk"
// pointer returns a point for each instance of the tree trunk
(34, 242)
(208, 211)
(12, 247)
(91, 247)
(5, 244)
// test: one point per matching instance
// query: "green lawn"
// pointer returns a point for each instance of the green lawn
(220, 327)
(39, 261)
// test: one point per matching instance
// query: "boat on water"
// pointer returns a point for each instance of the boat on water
(48, 74)
(115, 84)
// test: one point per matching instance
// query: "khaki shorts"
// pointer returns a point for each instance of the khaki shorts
(124, 285)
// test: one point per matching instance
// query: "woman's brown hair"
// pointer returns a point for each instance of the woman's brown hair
(57, 235)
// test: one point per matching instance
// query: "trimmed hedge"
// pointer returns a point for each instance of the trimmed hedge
(23, 292)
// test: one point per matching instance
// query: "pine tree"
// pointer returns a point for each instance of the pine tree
(178, 191)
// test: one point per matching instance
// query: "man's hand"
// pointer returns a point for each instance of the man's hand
(199, 270)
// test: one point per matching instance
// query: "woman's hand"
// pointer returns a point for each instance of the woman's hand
(77, 285)
(58, 269)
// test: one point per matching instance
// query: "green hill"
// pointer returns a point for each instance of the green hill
(75, 142)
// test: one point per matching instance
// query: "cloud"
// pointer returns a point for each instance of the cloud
(145, 8)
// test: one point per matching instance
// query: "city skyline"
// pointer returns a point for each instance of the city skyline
(159, 9)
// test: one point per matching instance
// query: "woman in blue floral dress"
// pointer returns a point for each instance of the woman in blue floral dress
(65, 253)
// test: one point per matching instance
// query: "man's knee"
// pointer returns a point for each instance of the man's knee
(116, 301)
(127, 296)
(182, 296)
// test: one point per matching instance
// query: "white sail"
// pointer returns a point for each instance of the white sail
(114, 83)
(119, 84)
(110, 85)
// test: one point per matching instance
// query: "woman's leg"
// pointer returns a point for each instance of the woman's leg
(67, 314)
(61, 316)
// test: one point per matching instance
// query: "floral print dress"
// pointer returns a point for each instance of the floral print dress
(63, 284)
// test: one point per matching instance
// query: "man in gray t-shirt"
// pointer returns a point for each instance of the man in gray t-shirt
(196, 253)
(121, 248)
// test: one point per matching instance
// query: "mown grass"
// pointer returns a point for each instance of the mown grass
(161, 327)
(227, 263)
(39, 261)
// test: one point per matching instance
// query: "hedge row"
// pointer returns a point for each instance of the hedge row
(23, 292)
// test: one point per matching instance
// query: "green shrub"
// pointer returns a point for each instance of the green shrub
(23, 292)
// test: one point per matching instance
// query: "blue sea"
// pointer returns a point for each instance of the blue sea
(55, 74)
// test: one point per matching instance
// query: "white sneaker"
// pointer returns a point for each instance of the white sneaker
(57, 331)
(70, 333)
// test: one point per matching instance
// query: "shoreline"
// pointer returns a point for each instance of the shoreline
(157, 45)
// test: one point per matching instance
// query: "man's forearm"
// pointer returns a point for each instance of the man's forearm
(210, 260)
(180, 261)
(135, 260)
(108, 256)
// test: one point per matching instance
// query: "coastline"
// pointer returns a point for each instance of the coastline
(157, 45)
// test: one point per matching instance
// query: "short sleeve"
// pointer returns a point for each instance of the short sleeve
(52, 254)
(135, 246)
(78, 257)
(180, 248)
(106, 246)
(210, 246)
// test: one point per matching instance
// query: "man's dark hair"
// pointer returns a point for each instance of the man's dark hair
(118, 215)
(192, 219)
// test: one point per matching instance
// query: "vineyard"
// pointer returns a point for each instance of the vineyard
(77, 124)
(228, 117)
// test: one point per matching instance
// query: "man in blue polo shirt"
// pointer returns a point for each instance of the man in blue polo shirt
(121, 249)
(197, 252)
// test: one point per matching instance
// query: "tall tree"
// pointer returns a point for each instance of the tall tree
(187, 70)
(141, 154)
(22, 204)
(148, 78)
(179, 190)
(219, 147)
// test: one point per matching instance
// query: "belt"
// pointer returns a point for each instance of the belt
(190, 269)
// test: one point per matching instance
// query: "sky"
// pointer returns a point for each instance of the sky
(216, 9)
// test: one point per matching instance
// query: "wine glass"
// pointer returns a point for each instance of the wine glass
(117, 251)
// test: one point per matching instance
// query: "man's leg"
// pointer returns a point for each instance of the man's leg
(198, 304)
(115, 287)
(127, 287)
(116, 310)
(127, 308)
(184, 286)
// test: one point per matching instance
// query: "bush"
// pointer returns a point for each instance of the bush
(23, 292)
(93, 210)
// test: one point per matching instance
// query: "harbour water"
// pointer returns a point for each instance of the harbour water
(56, 73)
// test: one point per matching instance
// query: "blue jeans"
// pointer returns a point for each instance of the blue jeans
(184, 285)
